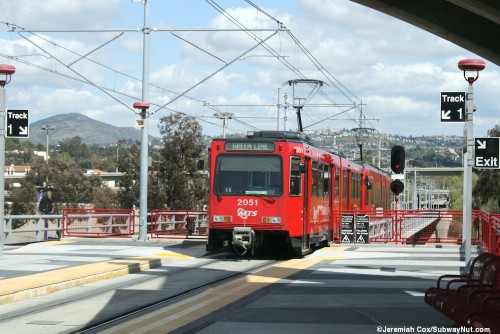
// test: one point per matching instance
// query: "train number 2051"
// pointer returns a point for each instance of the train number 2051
(248, 202)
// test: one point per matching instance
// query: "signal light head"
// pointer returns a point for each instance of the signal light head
(397, 187)
(398, 159)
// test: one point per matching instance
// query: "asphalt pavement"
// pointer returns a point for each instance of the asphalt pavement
(373, 288)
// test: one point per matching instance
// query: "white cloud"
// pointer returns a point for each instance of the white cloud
(394, 68)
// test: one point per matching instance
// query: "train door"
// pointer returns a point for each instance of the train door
(367, 197)
(307, 194)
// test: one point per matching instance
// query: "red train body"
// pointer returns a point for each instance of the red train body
(274, 189)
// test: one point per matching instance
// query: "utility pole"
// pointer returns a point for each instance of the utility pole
(468, 65)
(143, 106)
(6, 72)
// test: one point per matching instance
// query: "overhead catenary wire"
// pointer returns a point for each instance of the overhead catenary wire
(321, 68)
(277, 54)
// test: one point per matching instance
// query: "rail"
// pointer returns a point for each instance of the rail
(35, 228)
(169, 223)
(98, 222)
(421, 227)
(385, 226)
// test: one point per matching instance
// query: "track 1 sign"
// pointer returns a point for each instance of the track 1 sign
(16, 124)
(486, 152)
(452, 106)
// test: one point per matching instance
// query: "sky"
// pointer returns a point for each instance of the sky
(256, 62)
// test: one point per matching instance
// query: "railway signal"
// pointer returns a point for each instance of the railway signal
(397, 187)
(398, 159)
(398, 167)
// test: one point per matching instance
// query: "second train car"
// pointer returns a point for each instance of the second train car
(274, 189)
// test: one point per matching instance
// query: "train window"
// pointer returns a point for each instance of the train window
(345, 184)
(321, 180)
(353, 186)
(357, 186)
(295, 176)
(248, 175)
(326, 181)
(336, 192)
(317, 186)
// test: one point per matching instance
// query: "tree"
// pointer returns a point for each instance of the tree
(128, 164)
(176, 164)
(77, 150)
(486, 192)
(67, 184)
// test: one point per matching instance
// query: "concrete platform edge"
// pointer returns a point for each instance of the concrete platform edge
(88, 274)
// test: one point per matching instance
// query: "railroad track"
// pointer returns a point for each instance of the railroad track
(92, 308)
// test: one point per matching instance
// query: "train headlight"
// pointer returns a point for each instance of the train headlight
(271, 220)
(222, 219)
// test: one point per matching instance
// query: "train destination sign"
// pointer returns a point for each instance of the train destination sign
(487, 152)
(452, 106)
(16, 124)
(244, 146)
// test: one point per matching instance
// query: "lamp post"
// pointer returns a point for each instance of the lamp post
(47, 128)
(468, 66)
(6, 72)
(46, 206)
(143, 197)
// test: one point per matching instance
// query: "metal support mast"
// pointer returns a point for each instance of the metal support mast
(468, 65)
(143, 201)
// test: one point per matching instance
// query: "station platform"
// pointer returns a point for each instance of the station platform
(40, 268)
(338, 289)
(373, 288)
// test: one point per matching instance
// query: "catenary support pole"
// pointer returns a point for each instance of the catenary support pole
(143, 200)
(6, 72)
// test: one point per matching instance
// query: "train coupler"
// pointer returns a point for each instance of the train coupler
(243, 238)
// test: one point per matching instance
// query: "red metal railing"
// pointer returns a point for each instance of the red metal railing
(489, 229)
(98, 222)
(417, 226)
(387, 226)
(168, 223)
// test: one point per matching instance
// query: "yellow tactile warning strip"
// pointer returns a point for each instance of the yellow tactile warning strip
(182, 313)
(326, 253)
(18, 288)
(174, 255)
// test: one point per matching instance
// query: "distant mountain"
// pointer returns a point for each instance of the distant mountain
(91, 132)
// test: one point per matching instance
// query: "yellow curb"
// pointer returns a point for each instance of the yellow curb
(19, 288)
(174, 255)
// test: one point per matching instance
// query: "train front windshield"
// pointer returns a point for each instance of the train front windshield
(248, 175)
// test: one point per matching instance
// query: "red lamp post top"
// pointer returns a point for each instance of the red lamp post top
(141, 105)
(470, 65)
(6, 72)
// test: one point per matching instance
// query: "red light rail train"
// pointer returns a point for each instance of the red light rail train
(274, 189)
